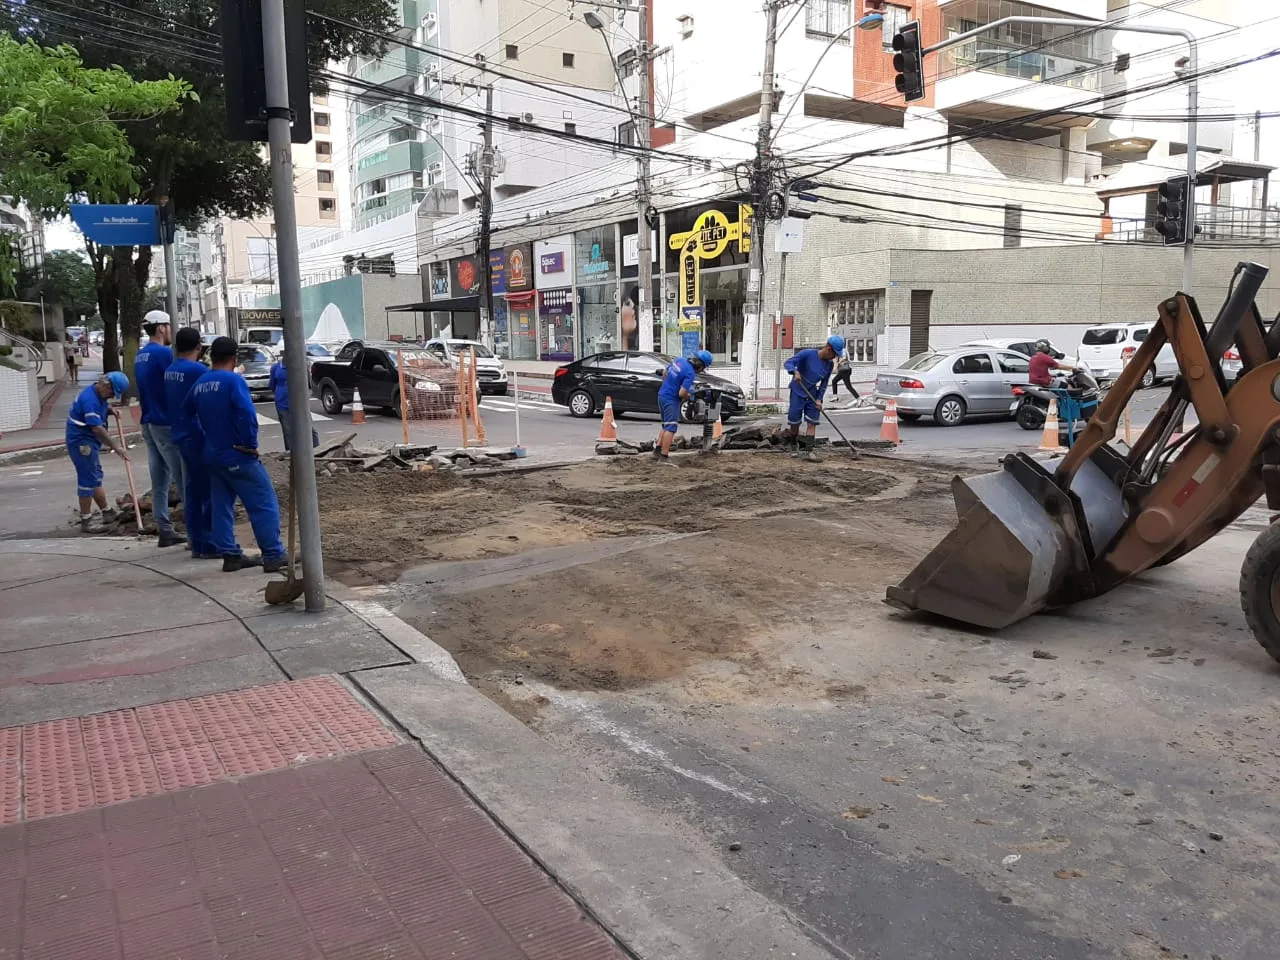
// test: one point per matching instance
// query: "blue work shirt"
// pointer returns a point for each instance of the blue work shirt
(679, 376)
(220, 401)
(148, 371)
(178, 381)
(88, 410)
(280, 386)
(814, 372)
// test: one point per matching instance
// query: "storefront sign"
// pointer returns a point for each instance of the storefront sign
(498, 271)
(519, 267)
(597, 263)
(465, 274)
(631, 248)
(556, 303)
(439, 274)
(690, 330)
(551, 262)
(714, 231)
(690, 275)
(746, 224)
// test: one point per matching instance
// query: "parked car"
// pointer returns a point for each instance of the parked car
(632, 380)
(491, 374)
(1106, 348)
(371, 367)
(1023, 346)
(952, 385)
(256, 361)
(314, 352)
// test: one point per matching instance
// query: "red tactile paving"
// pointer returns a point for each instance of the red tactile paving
(62, 766)
(378, 855)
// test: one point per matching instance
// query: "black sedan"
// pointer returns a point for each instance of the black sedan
(632, 380)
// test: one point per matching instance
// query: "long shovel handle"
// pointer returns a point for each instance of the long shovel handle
(128, 472)
(852, 449)
(292, 512)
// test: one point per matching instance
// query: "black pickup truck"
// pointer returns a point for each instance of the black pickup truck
(371, 368)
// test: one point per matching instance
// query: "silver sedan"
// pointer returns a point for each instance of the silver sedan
(950, 385)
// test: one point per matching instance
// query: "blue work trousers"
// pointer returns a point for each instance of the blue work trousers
(196, 505)
(249, 483)
(164, 460)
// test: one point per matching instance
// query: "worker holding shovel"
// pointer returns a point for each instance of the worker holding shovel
(810, 371)
(86, 433)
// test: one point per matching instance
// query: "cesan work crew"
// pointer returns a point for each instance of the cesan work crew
(810, 370)
(677, 387)
(221, 403)
(179, 378)
(86, 433)
(163, 457)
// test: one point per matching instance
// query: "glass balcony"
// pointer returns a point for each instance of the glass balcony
(1031, 52)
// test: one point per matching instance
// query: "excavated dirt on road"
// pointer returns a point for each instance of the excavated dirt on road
(779, 540)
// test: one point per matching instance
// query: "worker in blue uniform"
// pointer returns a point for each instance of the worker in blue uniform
(677, 387)
(279, 381)
(179, 378)
(86, 433)
(221, 403)
(163, 456)
(810, 371)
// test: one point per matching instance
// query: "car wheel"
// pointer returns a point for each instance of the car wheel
(908, 417)
(949, 412)
(581, 404)
(1149, 378)
(330, 399)
(393, 409)
(1030, 417)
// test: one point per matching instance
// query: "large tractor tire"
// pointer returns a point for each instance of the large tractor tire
(1260, 590)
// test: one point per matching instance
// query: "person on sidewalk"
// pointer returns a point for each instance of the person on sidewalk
(163, 456)
(844, 370)
(86, 433)
(810, 370)
(72, 356)
(221, 403)
(677, 387)
(280, 390)
(181, 376)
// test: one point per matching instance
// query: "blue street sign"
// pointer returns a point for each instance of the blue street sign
(118, 225)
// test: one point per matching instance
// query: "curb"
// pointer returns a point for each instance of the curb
(52, 450)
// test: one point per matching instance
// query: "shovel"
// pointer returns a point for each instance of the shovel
(853, 451)
(286, 591)
(128, 470)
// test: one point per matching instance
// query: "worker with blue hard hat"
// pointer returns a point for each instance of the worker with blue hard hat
(86, 433)
(810, 372)
(677, 387)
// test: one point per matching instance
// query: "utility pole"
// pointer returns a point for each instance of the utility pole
(1257, 158)
(644, 131)
(302, 466)
(760, 178)
(486, 165)
(168, 227)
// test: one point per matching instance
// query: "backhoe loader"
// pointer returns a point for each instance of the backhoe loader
(1043, 534)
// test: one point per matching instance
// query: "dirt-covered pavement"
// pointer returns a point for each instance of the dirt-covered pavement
(1098, 782)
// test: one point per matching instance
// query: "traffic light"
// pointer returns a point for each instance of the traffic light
(908, 62)
(1172, 209)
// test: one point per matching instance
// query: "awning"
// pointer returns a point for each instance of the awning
(454, 305)
(1144, 177)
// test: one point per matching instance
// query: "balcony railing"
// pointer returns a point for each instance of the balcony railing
(1216, 222)
(1009, 60)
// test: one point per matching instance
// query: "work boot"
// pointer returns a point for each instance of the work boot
(231, 562)
(205, 555)
(171, 539)
(110, 515)
(275, 566)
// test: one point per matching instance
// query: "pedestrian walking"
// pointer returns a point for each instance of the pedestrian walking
(844, 370)
(164, 459)
(280, 391)
(179, 378)
(86, 433)
(677, 387)
(72, 356)
(810, 370)
(221, 403)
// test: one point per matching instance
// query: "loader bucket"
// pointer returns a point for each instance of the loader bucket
(1010, 555)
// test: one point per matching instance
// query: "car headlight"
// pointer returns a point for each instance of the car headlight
(430, 386)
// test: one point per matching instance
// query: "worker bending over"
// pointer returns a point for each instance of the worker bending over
(810, 370)
(677, 387)
(221, 403)
(179, 378)
(86, 433)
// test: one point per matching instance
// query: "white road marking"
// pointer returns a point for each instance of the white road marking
(31, 473)
(264, 420)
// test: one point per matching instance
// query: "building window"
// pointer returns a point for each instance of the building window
(859, 318)
(570, 128)
(321, 120)
(1036, 52)
(328, 207)
(895, 18)
(513, 123)
(324, 179)
(566, 60)
(1012, 225)
(625, 135)
(324, 150)
(826, 18)
(513, 51)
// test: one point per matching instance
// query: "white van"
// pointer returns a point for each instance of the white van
(1106, 348)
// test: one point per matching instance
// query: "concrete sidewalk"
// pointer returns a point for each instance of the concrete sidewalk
(186, 772)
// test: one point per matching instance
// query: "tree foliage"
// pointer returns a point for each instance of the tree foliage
(66, 277)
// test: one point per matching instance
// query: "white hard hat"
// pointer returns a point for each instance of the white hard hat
(156, 317)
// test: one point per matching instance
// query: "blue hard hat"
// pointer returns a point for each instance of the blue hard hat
(836, 343)
(119, 382)
(706, 357)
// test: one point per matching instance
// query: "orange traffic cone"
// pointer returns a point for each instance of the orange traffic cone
(608, 429)
(1049, 440)
(889, 425)
(357, 408)
(717, 430)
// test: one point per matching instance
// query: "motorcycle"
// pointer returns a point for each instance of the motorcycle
(1077, 396)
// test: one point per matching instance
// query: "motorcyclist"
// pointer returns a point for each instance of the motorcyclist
(1043, 364)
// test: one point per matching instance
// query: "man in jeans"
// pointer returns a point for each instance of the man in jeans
(163, 456)
(280, 392)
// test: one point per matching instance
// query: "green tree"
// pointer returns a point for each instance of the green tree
(185, 156)
(65, 277)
